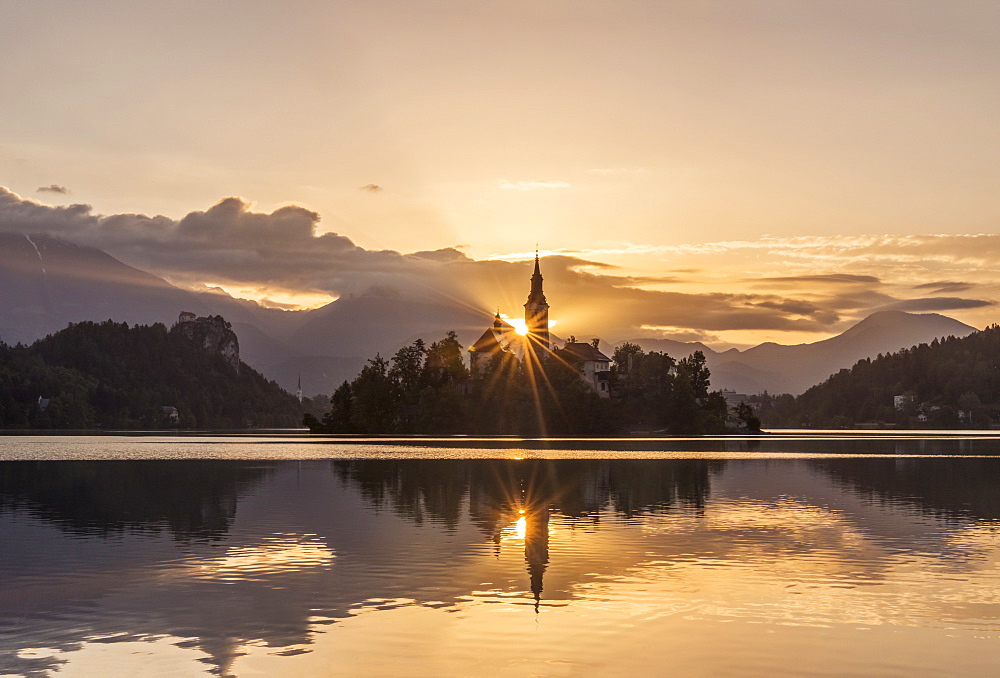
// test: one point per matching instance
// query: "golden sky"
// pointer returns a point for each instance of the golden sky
(710, 143)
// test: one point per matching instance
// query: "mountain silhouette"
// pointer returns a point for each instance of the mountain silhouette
(778, 368)
(49, 283)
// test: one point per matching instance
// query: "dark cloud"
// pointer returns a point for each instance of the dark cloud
(800, 307)
(230, 244)
(53, 188)
(937, 304)
(371, 188)
(446, 254)
(950, 287)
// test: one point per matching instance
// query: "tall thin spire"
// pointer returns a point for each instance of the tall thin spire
(536, 309)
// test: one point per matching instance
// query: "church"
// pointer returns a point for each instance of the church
(534, 338)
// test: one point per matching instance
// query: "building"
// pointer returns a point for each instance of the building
(503, 339)
(500, 338)
(733, 398)
(536, 312)
(594, 366)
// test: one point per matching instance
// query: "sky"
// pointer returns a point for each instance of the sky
(793, 166)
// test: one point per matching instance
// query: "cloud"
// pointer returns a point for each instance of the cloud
(371, 188)
(532, 185)
(832, 278)
(945, 286)
(53, 188)
(937, 304)
(800, 307)
(283, 254)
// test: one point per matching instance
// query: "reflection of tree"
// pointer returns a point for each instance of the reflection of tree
(949, 487)
(500, 492)
(437, 489)
(194, 499)
(220, 590)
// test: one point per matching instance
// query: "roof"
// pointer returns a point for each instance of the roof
(584, 352)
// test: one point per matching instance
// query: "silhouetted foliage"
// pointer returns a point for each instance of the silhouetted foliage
(113, 376)
(429, 390)
(949, 383)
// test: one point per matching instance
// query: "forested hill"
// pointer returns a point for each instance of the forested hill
(949, 383)
(113, 376)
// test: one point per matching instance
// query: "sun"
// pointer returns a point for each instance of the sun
(517, 323)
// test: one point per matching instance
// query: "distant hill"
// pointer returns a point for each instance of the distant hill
(947, 383)
(380, 321)
(49, 283)
(777, 368)
(111, 376)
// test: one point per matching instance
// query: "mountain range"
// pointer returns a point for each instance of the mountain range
(48, 283)
(778, 368)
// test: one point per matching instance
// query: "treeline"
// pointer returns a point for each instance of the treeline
(425, 389)
(949, 383)
(113, 376)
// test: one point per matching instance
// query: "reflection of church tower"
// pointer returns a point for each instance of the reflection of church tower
(536, 310)
(536, 547)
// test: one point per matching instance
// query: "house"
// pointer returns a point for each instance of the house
(594, 366)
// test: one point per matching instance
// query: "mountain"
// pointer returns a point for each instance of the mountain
(948, 383)
(49, 283)
(778, 368)
(380, 321)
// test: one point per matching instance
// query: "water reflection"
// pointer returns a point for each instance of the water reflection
(281, 567)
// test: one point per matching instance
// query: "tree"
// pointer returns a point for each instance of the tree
(374, 398)
(745, 415)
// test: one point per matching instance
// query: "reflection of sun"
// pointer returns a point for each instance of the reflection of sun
(521, 527)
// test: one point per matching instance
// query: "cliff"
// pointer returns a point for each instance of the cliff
(212, 334)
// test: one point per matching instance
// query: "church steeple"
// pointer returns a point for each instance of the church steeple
(536, 309)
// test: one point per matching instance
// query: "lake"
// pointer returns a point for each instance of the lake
(279, 554)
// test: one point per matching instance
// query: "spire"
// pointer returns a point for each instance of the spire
(536, 282)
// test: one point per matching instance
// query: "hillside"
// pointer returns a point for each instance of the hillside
(778, 368)
(110, 375)
(49, 283)
(949, 383)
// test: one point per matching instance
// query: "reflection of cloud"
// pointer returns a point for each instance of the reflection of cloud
(532, 185)
(276, 555)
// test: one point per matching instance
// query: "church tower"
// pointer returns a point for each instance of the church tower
(536, 310)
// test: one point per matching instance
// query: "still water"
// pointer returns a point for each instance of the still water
(819, 558)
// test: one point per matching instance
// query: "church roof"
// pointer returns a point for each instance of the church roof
(583, 352)
(498, 336)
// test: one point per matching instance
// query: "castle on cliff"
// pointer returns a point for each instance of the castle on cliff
(534, 341)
